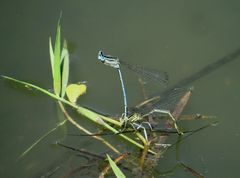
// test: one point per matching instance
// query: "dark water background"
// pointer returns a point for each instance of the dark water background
(179, 37)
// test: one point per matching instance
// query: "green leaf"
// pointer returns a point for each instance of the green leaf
(51, 55)
(65, 69)
(64, 51)
(73, 91)
(115, 169)
(57, 65)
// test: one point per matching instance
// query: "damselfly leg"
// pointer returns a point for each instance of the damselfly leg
(138, 126)
(168, 113)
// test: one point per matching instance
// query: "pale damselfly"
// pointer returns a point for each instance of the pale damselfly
(165, 106)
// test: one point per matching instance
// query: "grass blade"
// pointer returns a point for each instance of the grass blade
(40, 139)
(115, 169)
(57, 65)
(51, 55)
(65, 69)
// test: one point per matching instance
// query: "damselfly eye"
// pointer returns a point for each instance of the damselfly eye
(101, 56)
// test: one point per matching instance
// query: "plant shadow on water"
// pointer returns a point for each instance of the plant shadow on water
(143, 160)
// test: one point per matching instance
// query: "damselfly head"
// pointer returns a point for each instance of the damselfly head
(101, 56)
(108, 60)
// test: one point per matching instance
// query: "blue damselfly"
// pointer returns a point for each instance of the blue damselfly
(114, 62)
(155, 75)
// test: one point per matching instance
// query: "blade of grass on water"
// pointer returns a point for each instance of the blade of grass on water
(65, 69)
(40, 139)
(115, 169)
(51, 55)
(57, 58)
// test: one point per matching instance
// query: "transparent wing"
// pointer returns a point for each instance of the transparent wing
(167, 101)
(157, 76)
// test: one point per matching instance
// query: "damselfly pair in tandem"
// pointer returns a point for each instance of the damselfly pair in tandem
(137, 119)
